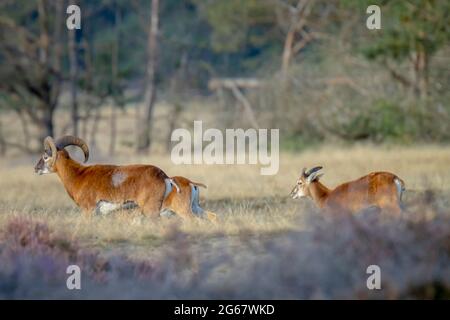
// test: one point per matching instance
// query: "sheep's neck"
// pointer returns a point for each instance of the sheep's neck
(68, 171)
(319, 193)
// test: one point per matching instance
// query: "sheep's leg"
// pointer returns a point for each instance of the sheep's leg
(177, 198)
(151, 209)
(393, 210)
(184, 201)
(188, 204)
(392, 204)
(171, 187)
(87, 213)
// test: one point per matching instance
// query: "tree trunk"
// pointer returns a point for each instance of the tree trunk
(113, 130)
(144, 140)
(51, 90)
(94, 131)
(115, 80)
(25, 130)
(423, 79)
(420, 73)
(44, 38)
(57, 49)
(90, 105)
(176, 111)
(46, 127)
(2, 140)
(287, 53)
(73, 80)
(177, 92)
(297, 15)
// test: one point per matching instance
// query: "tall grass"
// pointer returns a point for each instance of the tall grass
(328, 260)
(264, 244)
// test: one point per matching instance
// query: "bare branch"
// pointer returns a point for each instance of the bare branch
(228, 83)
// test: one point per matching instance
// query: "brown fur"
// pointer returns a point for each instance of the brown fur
(376, 189)
(86, 185)
(180, 202)
(143, 184)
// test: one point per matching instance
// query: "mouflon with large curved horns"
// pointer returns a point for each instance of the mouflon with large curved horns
(112, 186)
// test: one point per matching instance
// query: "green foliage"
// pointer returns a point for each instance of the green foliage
(299, 142)
(237, 24)
(407, 26)
(218, 38)
(244, 32)
(384, 120)
(392, 121)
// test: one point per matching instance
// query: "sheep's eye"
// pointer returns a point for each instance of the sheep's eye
(45, 157)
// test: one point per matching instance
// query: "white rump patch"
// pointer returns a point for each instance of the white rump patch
(118, 178)
(105, 207)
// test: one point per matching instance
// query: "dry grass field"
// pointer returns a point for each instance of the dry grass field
(262, 239)
(243, 199)
(339, 94)
(255, 217)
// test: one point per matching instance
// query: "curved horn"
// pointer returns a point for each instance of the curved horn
(312, 170)
(73, 141)
(314, 176)
(49, 144)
